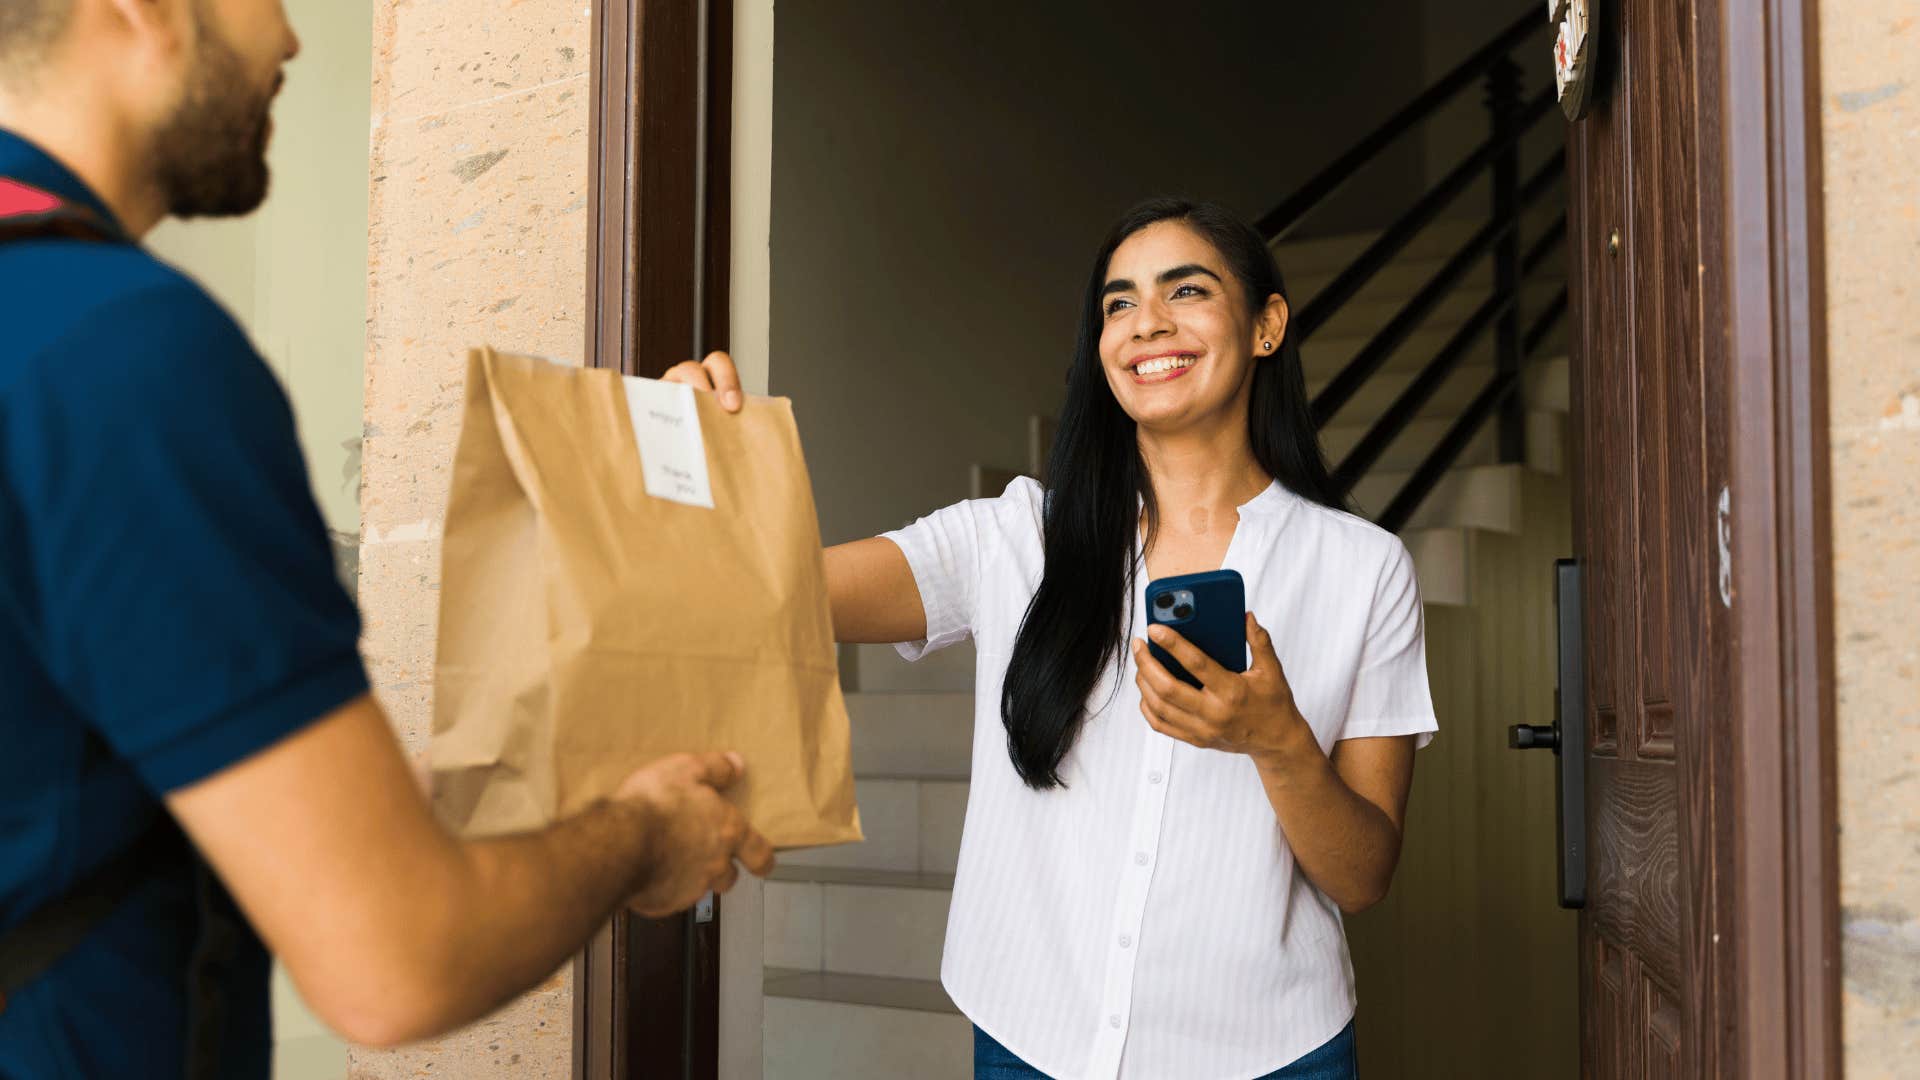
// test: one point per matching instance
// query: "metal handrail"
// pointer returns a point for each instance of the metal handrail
(1341, 388)
(1498, 238)
(1282, 219)
(1396, 237)
(1407, 405)
(1455, 441)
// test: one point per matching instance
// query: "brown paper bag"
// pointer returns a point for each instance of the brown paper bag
(588, 627)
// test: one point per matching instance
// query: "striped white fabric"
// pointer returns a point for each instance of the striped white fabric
(1149, 920)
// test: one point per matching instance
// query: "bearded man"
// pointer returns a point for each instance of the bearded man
(193, 770)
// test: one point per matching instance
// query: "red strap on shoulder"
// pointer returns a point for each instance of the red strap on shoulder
(27, 211)
(20, 200)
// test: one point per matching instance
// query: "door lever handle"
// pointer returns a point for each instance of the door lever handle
(1533, 737)
(1566, 736)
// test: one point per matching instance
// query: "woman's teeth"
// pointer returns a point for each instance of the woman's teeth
(1164, 363)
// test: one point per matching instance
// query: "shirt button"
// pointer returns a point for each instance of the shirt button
(1126, 942)
(1114, 1020)
(1139, 858)
(1154, 777)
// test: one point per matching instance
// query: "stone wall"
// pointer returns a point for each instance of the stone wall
(477, 235)
(1870, 110)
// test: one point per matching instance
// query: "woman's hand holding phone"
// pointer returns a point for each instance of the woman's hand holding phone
(1251, 713)
(715, 373)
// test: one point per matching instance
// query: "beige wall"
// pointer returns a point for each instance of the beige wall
(943, 173)
(1468, 968)
(1870, 112)
(294, 274)
(478, 192)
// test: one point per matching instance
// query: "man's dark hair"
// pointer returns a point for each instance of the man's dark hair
(27, 27)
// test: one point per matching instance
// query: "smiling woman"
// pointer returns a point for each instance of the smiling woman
(1195, 844)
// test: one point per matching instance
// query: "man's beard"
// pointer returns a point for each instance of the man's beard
(210, 158)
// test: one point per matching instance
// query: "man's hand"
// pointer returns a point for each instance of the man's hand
(695, 833)
(715, 373)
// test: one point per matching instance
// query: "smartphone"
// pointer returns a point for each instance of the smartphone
(1209, 610)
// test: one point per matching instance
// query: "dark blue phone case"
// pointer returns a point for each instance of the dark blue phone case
(1217, 626)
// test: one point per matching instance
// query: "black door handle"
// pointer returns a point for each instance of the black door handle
(1566, 736)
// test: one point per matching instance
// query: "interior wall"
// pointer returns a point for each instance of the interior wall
(1469, 967)
(1870, 115)
(294, 275)
(478, 186)
(942, 174)
(1453, 30)
(742, 911)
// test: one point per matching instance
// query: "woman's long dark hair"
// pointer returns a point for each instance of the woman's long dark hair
(1078, 619)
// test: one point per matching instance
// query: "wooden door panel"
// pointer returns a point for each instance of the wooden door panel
(1635, 895)
(1641, 493)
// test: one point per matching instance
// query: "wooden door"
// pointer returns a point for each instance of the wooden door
(1709, 943)
(1641, 523)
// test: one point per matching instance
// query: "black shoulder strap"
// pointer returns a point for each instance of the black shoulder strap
(28, 949)
(32, 946)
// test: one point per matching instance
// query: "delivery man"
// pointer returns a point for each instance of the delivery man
(176, 655)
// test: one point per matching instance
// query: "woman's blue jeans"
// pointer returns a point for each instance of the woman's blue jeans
(1334, 1060)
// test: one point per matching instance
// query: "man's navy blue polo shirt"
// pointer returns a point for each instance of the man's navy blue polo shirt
(168, 607)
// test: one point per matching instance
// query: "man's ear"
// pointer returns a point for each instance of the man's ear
(166, 26)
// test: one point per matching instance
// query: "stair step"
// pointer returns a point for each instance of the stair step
(856, 922)
(1481, 497)
(918, 995)
(1544, 382)
(890, 817)
(912, 823)
(1440, 564)
(1333, 253)
(833, 1027)
(1412, 445)
(881, 668)
(1326, 355)
(855, 875)
(912, 734)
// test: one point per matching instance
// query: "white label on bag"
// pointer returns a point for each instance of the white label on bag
(666, 427)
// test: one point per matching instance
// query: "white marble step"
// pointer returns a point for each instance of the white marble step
(928, 735)
(1321, 254)
(1441, 564)
(857, 922)
(849, 1027)
(880, 668)
(1478, 497)
(1412, 445)
(1545, 387)
(912, 825)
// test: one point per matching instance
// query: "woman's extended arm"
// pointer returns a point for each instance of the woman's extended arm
(869, 584)
(1341, 816)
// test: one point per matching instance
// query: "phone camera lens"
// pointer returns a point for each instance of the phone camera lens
(1183, 611)
(1163, 601)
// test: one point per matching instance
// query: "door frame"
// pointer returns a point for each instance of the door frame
(1777, 958)
(646, 997)
(657, 294)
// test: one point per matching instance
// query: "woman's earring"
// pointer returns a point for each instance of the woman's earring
(1267, 345)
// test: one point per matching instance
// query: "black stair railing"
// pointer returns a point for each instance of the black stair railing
(1510, 120)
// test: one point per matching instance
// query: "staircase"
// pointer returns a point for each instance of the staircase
(853, 934)
(1434, 350)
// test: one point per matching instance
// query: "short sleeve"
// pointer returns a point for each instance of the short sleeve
(943, 550)
(1390, 692)
(184, 596)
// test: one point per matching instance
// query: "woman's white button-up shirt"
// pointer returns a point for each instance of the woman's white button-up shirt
(1148, 920)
